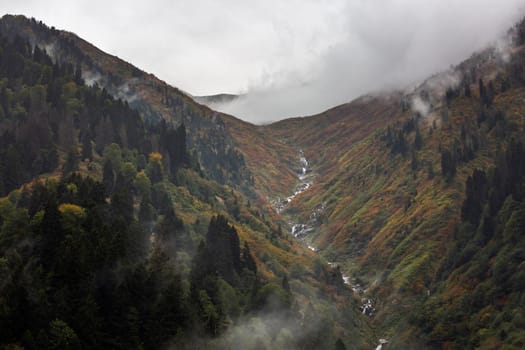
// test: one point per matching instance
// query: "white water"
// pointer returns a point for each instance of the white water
(305, 184)
(300, 188)
(381, 343)
(303, 161)
(367, 308)
(300, 231)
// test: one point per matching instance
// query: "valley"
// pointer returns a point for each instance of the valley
(392, 180)
(306, 232)
(394, 221)
(117, 157)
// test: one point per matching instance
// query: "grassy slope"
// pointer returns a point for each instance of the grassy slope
(392, 225)
(270, 159)
(325, 135)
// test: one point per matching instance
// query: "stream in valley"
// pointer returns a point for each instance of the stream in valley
(304, 231)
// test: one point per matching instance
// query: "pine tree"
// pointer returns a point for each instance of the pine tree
(222, 244)
(87, 148)
(247, 259)
(339, 345)
(482, 92)
(169, 225)
(51, 231)
(13, 169)
(414, 163)
(476, 194)
(468, 93)
(71, 163)
(491, 92)
(122, 203)
(418, 140)
(285, 284)
(78, 75)
(146, 213)
(448, 164)
(108, 177)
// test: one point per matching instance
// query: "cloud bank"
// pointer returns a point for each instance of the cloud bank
(288, 58)
(385, 44)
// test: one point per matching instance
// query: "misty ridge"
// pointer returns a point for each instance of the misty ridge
(384, 46)
(133, 216)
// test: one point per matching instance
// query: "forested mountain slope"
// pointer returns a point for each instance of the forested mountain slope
(135, 217)
(122, 227)
(155, 100)
(420, 194)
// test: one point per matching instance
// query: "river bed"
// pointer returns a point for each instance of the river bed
(302, 231)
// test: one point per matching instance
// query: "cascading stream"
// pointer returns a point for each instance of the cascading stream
(303, 230)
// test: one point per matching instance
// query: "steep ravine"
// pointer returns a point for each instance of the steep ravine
(300, 230)
(305, 231)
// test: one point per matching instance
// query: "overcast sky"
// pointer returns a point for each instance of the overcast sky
(290, 57)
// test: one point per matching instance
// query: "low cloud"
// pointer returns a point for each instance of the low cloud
(275, 330)
(123, 91)
(385, 45)
(91, 77)
(419, 106)
(287, 58)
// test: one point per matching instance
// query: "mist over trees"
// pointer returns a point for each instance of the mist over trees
(112, 235)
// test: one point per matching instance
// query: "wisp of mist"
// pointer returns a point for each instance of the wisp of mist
(384, 45)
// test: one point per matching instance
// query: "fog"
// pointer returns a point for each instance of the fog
(287, 58)
(386, 45)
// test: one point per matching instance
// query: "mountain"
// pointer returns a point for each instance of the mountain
(418, 195)
(155, 100)
(395, 219)
(129, 218)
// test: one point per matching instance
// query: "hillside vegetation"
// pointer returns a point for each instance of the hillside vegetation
(421, 195)
(121, 227)
(134, 217)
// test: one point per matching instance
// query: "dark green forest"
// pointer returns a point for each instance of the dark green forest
(46, 111)
(79, 272)
(93, 252)
(131, 217)
(78, 268)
